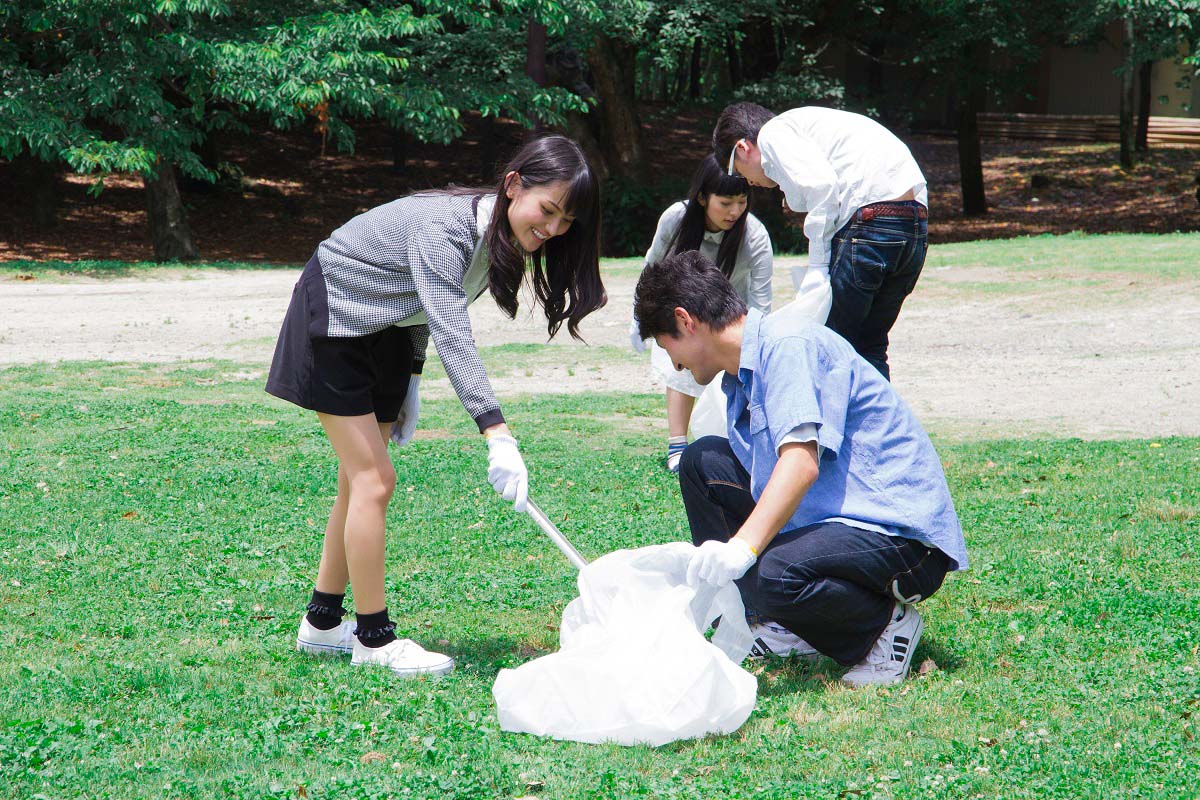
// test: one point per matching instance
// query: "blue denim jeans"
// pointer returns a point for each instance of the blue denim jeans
(875, 265)
(831, 584)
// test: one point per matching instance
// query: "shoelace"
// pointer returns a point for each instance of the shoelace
(879, 655)
(406, 646)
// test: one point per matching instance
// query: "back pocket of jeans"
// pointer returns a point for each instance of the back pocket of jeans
(871, 260)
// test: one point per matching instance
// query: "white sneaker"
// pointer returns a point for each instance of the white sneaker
(403, 657)
(335, 641)
(772, 639)
(892, 654)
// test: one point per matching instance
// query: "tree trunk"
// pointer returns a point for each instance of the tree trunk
(488, 157)
(1127, 99)
(37, 182)
(399, 150)
(735, 62)
(535, 53)
(1145, 75)
(875, 70)
(168, 220)
(970, 153)
(580, 127)
(760, 60)
(616, 119)
(694, 86)
(681, 79)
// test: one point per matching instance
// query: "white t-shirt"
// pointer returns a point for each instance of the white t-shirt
(753, 265)
(831, 163)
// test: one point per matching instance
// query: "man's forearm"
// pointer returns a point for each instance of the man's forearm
(794, 473)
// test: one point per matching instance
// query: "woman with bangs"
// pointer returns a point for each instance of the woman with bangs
(713, 220)
(354, 340)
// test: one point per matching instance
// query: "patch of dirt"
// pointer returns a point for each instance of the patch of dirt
(294, 197)
(1117, 360)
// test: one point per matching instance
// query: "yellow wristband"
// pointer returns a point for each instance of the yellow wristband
(752, 550)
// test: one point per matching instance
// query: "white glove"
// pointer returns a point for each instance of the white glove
(635, 337)
(814, 295)
(406, 423)
(506, 470)
(719, 563)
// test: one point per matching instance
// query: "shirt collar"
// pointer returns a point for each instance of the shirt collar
(748, 362)
(483, 213)
(713, 236)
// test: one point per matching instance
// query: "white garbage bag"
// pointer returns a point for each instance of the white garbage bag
(814, 296)
(708, 415)
(633, 665)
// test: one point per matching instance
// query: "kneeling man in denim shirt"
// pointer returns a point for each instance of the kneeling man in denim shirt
(827, 503)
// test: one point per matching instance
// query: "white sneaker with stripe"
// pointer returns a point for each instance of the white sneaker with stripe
(772, 639)
(891, 656)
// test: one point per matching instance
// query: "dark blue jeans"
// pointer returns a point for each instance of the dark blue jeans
(831, 584)
(875, 265)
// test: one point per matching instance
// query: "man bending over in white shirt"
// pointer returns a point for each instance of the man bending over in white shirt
(867, 208)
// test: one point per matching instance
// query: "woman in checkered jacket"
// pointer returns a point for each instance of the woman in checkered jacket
(354, 339)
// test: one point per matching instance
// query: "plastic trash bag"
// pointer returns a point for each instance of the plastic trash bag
(708, 415)
(634, 666)
(814, 296)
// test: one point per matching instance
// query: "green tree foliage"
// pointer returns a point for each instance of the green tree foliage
(118, 85)
(136, 86)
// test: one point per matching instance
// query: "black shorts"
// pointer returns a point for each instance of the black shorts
(343, 376)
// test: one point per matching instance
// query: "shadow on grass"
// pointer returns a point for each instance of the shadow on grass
(931, 648)
(779, 677)
(486, 656)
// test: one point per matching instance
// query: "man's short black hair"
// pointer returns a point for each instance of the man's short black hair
(689, 281)
(738, 121)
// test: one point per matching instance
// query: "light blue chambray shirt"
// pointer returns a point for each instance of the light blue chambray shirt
(878, 471)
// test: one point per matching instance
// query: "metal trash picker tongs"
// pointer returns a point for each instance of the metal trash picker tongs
(552, 531)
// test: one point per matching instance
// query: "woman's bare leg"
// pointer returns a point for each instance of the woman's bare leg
(366, 479)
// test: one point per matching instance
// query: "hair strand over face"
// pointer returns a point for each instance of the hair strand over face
(566, 269)
(710, 180)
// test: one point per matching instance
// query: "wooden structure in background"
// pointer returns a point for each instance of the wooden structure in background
(1084, 128)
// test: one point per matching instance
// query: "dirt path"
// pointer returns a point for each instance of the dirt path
(1117, 358)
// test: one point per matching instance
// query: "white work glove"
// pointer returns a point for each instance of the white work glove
(719, 563)
(506, 470)
(814, 295)
(406, 423)
(635, 337)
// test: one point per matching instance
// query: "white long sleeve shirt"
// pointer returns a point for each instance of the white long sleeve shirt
(831, 163)
(753, 265)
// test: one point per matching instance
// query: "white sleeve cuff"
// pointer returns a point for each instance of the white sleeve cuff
(805, 432)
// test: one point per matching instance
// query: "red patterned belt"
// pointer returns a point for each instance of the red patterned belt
(916, 210)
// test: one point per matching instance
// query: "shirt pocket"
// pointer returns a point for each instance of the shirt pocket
(758, 420)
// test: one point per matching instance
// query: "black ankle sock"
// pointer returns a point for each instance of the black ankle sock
(375, 630)
(325, 611)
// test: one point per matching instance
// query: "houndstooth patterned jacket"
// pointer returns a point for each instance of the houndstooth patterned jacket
(416, 262)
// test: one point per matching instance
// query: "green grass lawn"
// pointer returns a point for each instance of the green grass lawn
(159, 532)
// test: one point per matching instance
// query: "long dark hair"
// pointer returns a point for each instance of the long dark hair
(566, 269)
(711, 180)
